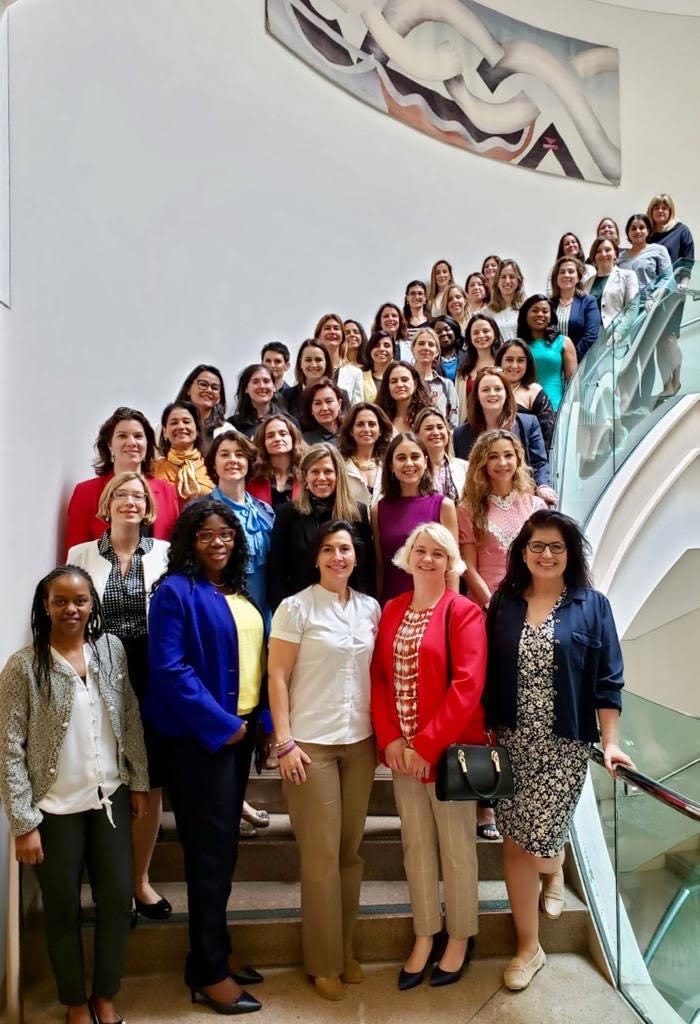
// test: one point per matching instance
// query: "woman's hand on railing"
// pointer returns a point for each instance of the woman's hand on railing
(614, 757)
(549, 496)
(28, 848)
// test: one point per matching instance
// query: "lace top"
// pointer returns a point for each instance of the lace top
(506, 517)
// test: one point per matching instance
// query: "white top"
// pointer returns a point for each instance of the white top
(350, 380)
(329, 689)
(88, 757)
(507, 320)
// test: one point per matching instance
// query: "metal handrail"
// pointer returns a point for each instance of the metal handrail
(682, 804)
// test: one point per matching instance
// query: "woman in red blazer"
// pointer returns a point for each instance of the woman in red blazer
(125, 442)
(427, 678)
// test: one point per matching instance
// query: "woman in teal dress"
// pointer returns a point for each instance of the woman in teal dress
(554, 353)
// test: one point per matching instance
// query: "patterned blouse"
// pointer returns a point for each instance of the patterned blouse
(406, 647)
(124, 599)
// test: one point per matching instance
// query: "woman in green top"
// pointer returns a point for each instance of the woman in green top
(554, 353)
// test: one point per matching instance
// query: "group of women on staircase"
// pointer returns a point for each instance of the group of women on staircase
(367, 564)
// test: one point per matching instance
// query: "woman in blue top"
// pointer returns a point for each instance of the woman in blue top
(229, 464)
(554, 354)
(554, 679)
(206, 649)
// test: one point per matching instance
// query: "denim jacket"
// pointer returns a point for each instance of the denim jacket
(588, 672)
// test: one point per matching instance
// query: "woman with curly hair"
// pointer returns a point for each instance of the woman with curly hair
(363, 440)
(441, 277)
(507, 296)
(402, 395)
(206, 648)
(280, 448)
(499, 496)
(73, 773)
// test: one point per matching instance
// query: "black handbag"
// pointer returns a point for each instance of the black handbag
(469, 772)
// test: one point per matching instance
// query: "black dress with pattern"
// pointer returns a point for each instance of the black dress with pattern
(548, 770)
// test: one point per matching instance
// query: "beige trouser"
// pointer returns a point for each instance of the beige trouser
(328, 814)
(432, 833)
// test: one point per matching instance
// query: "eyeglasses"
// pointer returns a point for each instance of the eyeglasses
(130, 496)
(206, 385)
(209, 536)
(538, 547)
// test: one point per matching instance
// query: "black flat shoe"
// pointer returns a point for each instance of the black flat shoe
(159, 911)
(439, 978)
(247, 976)
(412, 979)
(244, 1004)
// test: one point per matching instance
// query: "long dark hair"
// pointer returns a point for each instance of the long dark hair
(577, 572)
(347, 445)
(391, 488)
(420, 398)
(192, 409)
(41, 621)
(472, 354)
(245, 410)
(524, 329)
(103, 459)
(218, 411)
(182, 558)
(530, 375)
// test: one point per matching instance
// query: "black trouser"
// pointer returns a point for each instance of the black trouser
(72, 842)
(207, 793)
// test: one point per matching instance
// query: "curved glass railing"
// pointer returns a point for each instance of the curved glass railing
(637, 840)
(642, 364)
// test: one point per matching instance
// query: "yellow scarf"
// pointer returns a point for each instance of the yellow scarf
(187, 464)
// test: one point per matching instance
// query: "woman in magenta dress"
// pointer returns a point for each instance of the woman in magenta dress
(499, 497)
(409, 499)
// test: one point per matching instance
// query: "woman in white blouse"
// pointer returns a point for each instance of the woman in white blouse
(321, 646)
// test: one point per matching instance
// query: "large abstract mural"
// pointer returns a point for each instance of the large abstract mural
(468, 76)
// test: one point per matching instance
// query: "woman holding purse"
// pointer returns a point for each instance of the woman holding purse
(427, 679)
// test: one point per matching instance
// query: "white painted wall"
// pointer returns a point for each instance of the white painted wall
(184, 189)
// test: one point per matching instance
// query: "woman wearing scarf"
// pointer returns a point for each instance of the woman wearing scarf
(181, 446)
(229, 463)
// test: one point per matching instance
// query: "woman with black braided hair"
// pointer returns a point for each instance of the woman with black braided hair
(72, 772)
(206, 643)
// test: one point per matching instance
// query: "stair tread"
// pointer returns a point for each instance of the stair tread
(270, 900)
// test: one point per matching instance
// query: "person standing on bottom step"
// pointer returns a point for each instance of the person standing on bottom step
(72, 773)
(427, 681)
(554, 664)
(321, 647)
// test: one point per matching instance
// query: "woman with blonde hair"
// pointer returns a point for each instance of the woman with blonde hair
(456, 305)
(426, 353)
(427, 678)
(441, 277)
(325, 495)
(330, 331)
(507, 296)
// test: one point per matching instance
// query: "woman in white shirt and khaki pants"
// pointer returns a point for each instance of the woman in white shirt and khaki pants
(321, 646)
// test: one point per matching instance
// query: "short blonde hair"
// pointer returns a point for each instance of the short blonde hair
(439, 535)
(662, 199)
(118, 481)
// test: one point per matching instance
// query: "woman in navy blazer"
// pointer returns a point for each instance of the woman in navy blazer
(206, 644)
(578, 315)
(554, 666)
(491, 405)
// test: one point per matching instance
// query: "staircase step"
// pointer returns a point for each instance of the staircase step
(272, 854)
(265, 927)
(266, 791)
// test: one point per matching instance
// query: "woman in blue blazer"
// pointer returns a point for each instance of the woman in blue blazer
(554, 679)
(206, 648)
(578, 315)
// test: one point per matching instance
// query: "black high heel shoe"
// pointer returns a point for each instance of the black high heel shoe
(244, 1004)
(159, 911)
(438, 978)
(412, 979)
(247, 976)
